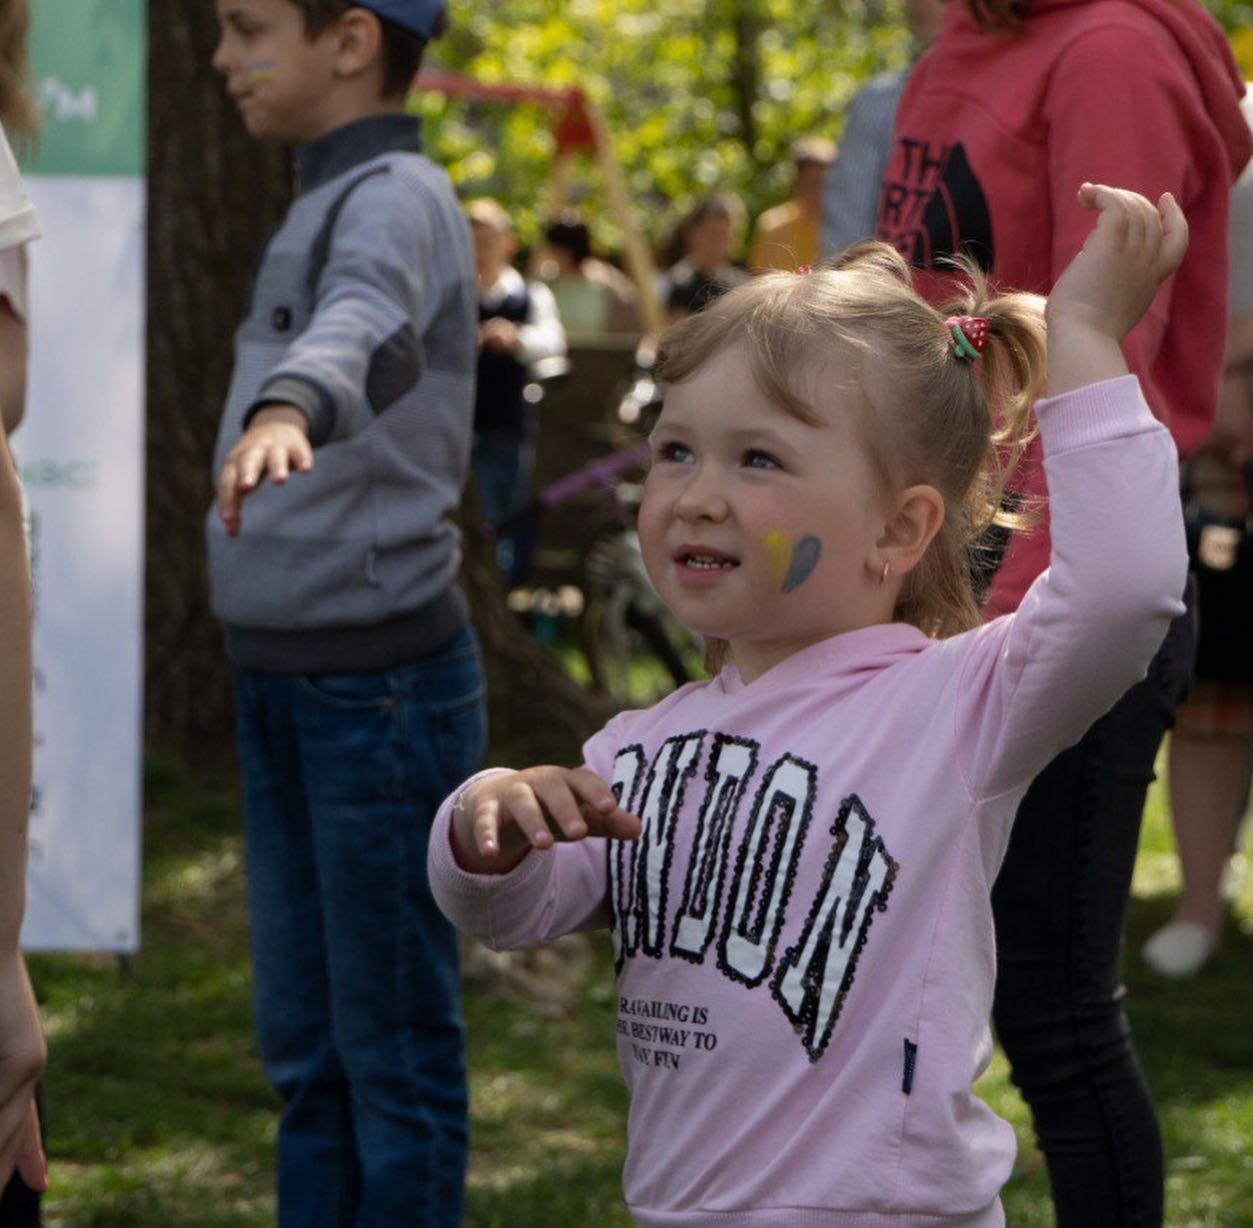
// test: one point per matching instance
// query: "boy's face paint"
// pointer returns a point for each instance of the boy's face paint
(257, 71)
(793, 563)
(282, 79)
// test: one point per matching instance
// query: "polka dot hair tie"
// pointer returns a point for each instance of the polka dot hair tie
(970, 335)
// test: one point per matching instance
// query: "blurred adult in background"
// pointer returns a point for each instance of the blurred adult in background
(518, 328)
(1013, 107)
(707, 235)
(19, 118)
(850, 198)
(591, 295)
(1211, 749)
(788, 234)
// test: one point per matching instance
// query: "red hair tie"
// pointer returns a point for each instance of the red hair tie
(802, 269)
(970, 335)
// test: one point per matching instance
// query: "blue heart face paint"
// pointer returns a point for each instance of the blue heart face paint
(792, 562)
(805, 556)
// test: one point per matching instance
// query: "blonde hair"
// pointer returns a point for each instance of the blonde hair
(924, 415)
(489, 212)
(18, 111)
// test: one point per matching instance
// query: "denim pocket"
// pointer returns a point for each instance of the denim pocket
(460, 735)
(350, 692)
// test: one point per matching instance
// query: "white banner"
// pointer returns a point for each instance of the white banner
(80, 452)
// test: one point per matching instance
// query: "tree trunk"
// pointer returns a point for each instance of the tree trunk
(746, 71)
(213, 195)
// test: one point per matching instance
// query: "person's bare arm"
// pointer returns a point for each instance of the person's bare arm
(13, 348)
(21, 1041)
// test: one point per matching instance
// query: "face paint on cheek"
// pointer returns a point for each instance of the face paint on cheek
(804, 559)
(779, 552)
(792, 562)
(257, 71)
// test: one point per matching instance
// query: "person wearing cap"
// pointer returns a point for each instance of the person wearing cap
(341, 457)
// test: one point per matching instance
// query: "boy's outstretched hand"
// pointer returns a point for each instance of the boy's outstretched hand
(501, 817)
(275, 443)
(1110, 283)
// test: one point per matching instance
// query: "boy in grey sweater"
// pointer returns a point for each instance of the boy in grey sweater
(358, 682)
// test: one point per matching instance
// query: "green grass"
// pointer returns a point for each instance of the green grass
(160, 1114)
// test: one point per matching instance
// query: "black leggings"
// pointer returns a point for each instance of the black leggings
(19, 1204)
(1059, 903)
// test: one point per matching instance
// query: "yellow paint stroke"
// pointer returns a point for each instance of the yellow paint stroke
(258, 71)
(779, 551)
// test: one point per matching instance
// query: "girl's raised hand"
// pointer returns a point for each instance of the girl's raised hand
(501, 817)
(1110, 283)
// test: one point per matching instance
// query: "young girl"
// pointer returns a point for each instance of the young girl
(796, 857)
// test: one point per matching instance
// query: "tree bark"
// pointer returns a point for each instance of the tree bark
(214, 194)
(746, 71)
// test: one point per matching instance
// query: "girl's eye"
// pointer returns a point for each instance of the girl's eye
(672, 451)
(756, 459)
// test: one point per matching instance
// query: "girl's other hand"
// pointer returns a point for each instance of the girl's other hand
(500, 818)
(1108, 286)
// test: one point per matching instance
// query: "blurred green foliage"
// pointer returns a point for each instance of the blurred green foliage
(698, 94)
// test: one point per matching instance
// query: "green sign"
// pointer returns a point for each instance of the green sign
(87, 63)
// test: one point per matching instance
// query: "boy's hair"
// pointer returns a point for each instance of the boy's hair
(402, 49)
(922, 412)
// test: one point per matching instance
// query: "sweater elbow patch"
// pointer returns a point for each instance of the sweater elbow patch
(395, 366)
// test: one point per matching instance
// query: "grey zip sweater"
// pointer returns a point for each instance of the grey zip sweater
(362, 316)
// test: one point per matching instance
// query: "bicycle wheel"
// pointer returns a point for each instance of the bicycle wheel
(636, 652)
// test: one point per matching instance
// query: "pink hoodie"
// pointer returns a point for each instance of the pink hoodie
(994, 135)
(804, 930)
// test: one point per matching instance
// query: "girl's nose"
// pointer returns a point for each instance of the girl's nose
(701, 497)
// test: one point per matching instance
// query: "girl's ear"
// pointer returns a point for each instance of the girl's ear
(360, 41)
(917, 518)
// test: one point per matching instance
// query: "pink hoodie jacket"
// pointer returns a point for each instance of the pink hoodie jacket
(804, 930)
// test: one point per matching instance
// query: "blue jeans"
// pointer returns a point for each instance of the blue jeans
(503, 465)
(356, 979)
(1059, 903)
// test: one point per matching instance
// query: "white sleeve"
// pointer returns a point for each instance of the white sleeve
(542, 335)
(18, 223)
